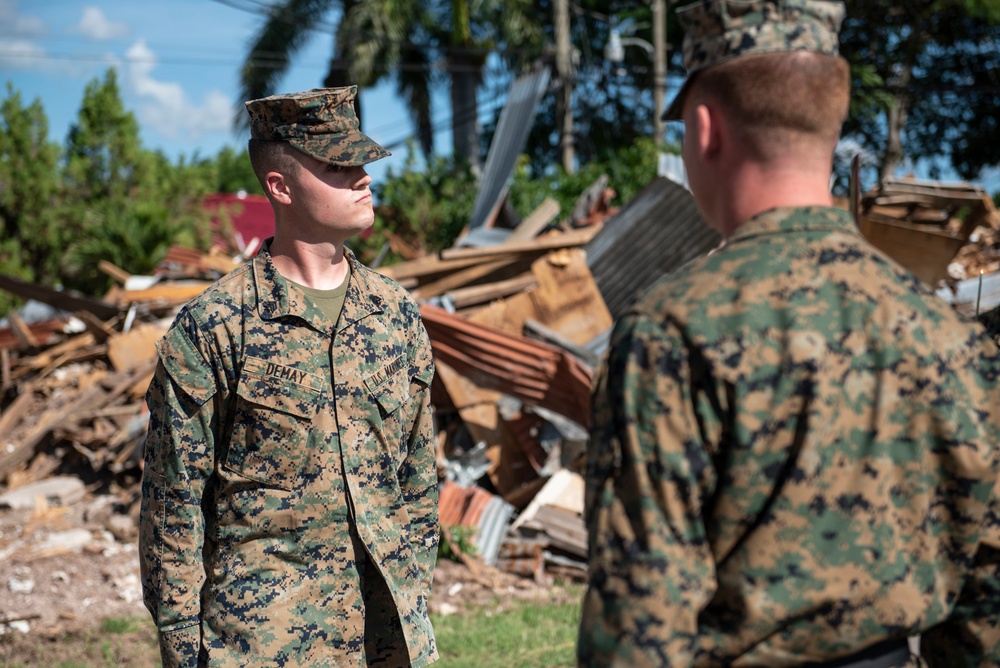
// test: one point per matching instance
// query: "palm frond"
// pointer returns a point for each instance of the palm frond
(286, 30)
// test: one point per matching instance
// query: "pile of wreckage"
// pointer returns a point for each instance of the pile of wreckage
(518, 313)
(518, 317)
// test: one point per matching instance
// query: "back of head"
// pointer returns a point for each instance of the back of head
(781, 103)
(772, 65)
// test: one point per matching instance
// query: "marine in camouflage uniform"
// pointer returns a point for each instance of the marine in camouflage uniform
(289, 496)
(794, 456)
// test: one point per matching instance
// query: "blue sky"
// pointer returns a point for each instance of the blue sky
(178, 63)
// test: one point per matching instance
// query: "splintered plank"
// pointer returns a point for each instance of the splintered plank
(20, 328)
(14, 454)
(137, 347)
(549, 242)
(487, 292)
(460, 278)
(566, 300)
(118, 274)
(101, 330)
(163, 295)
(536, 221)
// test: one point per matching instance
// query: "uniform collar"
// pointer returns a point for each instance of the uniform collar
(278, 297)
(783, 220)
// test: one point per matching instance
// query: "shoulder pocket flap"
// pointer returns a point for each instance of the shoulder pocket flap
(186, 366)
(277, 392)
(425, 375)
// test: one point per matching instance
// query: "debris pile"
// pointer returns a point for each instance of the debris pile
(518, 319)
(942, 232)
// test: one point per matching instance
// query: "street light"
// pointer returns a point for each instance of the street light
(614, 52)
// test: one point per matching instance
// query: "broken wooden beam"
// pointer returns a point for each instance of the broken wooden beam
(64, 301)
(549, 242)
(537, 220)
(21, 330)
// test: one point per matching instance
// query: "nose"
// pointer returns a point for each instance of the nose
(364, 180)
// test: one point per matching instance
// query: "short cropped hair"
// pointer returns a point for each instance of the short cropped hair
(778, 100)
(271, 156)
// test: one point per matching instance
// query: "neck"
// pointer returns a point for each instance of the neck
(322, 266)
(754, 188)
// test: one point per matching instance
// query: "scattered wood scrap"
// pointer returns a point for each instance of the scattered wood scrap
(927, 225)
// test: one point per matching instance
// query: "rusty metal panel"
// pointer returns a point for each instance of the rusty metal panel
(536, 373)
(657, 232)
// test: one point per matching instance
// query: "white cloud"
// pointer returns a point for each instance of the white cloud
(94, 25)
(19, 24)
(20, 54)
(164, 106)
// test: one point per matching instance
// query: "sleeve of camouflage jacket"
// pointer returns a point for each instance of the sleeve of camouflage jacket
(971, 635)
(648, 477)
(418, 473)
(178, 462)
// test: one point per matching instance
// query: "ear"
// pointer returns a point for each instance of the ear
(710, 129)
(277, 187)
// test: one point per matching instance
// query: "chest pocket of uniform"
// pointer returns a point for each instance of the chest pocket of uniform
(275, 408)
(389, 398)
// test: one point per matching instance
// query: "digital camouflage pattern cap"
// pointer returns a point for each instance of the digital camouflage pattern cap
(319, 122)
(719, 30)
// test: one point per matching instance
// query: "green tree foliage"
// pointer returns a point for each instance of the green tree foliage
(612, 102)
(132, 237)
(104, 156)
(926, 82)
(104, 197)
(402, 39)
(429, 209)
(114, 188)
(406, 36)
(232, 172)
(629, 170)
(28, 184)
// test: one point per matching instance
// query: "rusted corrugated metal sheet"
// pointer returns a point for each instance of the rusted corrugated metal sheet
(658, 231)
(534, 372)
(40, 330)
(475, 508)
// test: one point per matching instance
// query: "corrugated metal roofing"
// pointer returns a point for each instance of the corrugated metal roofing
(513, 126)
(476, 508)
(536, 373)
(658, 231)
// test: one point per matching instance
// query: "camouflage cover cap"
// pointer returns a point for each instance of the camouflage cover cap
(719, 30)
(320, 123)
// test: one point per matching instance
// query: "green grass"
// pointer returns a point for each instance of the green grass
(500, 635)
(120, 625)
(527, 635)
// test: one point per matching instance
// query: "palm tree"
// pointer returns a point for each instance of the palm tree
(409, 35)
(405, 38)
(284, 32)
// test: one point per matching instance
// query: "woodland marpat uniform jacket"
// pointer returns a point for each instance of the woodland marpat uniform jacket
(274, 438)
(794, 457)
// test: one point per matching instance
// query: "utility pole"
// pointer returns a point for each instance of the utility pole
(659, 11)
(564, 68)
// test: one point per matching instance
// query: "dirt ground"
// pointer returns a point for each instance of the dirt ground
(65, 571)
